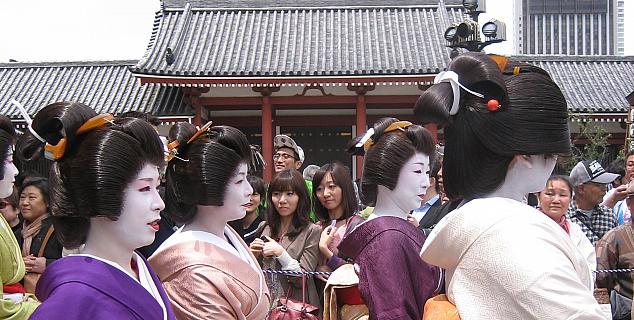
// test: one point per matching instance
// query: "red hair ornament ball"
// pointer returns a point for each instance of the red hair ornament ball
(493, 105)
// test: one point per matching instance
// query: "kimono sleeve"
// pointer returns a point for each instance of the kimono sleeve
(384, 279)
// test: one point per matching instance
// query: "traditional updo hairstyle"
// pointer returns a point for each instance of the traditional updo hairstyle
(389, 152)
(7, 139)
(90, 179)
(201, 170)
(341, 177)
(532, 119)
(288, 180)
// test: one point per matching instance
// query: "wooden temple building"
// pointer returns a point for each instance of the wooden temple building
(318, 71)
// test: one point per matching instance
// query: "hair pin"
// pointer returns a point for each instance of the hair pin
(27, 119)
(200, 131)
(453, 79)
(56, 152)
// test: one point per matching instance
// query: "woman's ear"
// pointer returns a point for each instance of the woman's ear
(522, 160)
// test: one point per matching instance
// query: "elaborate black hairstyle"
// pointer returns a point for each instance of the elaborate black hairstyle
(341, 177)
(532, 119)
(200, 172)
(89, 180)
(141, 115)
(7, 139)
(288, 180)
(390, 151)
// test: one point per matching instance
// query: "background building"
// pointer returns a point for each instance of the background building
(570, 27)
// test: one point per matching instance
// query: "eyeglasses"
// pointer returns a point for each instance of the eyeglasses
(284, 156)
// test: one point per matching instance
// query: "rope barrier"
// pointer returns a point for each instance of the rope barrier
(296, 273)
(613, 270)
(317, 273)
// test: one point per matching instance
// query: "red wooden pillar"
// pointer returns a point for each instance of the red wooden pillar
(267, 137)
(361, 116)
(192, 97)
(198, 116)
(267, 130)
(360, 124)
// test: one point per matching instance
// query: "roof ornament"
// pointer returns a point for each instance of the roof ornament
(169, 56)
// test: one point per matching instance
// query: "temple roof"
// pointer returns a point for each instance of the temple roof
(373, 38)
(107, 86)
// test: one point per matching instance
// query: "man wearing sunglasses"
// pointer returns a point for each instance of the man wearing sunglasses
(615, 251)
(590, 181)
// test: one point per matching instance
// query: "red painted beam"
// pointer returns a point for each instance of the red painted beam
(309, 100)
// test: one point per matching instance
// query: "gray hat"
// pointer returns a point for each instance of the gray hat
(590, 171)
(282, 140)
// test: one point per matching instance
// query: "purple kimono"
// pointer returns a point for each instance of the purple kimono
(79, 287)
(393, 280)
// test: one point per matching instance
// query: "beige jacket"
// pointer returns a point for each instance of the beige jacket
(204, 281)
(305, 249)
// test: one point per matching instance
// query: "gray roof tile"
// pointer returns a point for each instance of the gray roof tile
(591, 84)
(305, 41)
(107, 86)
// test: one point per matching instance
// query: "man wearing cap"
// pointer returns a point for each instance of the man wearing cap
(288, 155)
(590, 181)
(614, 251)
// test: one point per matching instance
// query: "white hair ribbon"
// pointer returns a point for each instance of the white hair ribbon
(452, 78)
(365, 138)
(27, 118)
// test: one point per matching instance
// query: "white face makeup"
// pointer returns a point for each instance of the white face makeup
(10, 171)
(237, 194)
(413, 181)
(140, 215)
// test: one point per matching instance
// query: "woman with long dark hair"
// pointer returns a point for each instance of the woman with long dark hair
(104, 201)
(291, 240)
(394, 283)
(505, 122)
(205, 266)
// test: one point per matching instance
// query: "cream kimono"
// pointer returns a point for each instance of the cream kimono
(207, 277)
(12, 271)
(506, 260)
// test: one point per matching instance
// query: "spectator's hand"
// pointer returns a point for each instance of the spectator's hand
(411, 219)
(325, 239)
(324, 268)
(256, 247)
(272, 248)
(34, 264)
(619, 194)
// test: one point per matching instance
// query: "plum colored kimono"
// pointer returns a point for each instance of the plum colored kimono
(394, 282)
(81, 287)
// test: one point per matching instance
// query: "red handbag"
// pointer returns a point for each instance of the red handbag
(290, 309)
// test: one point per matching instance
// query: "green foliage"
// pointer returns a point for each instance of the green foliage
(595, 149)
